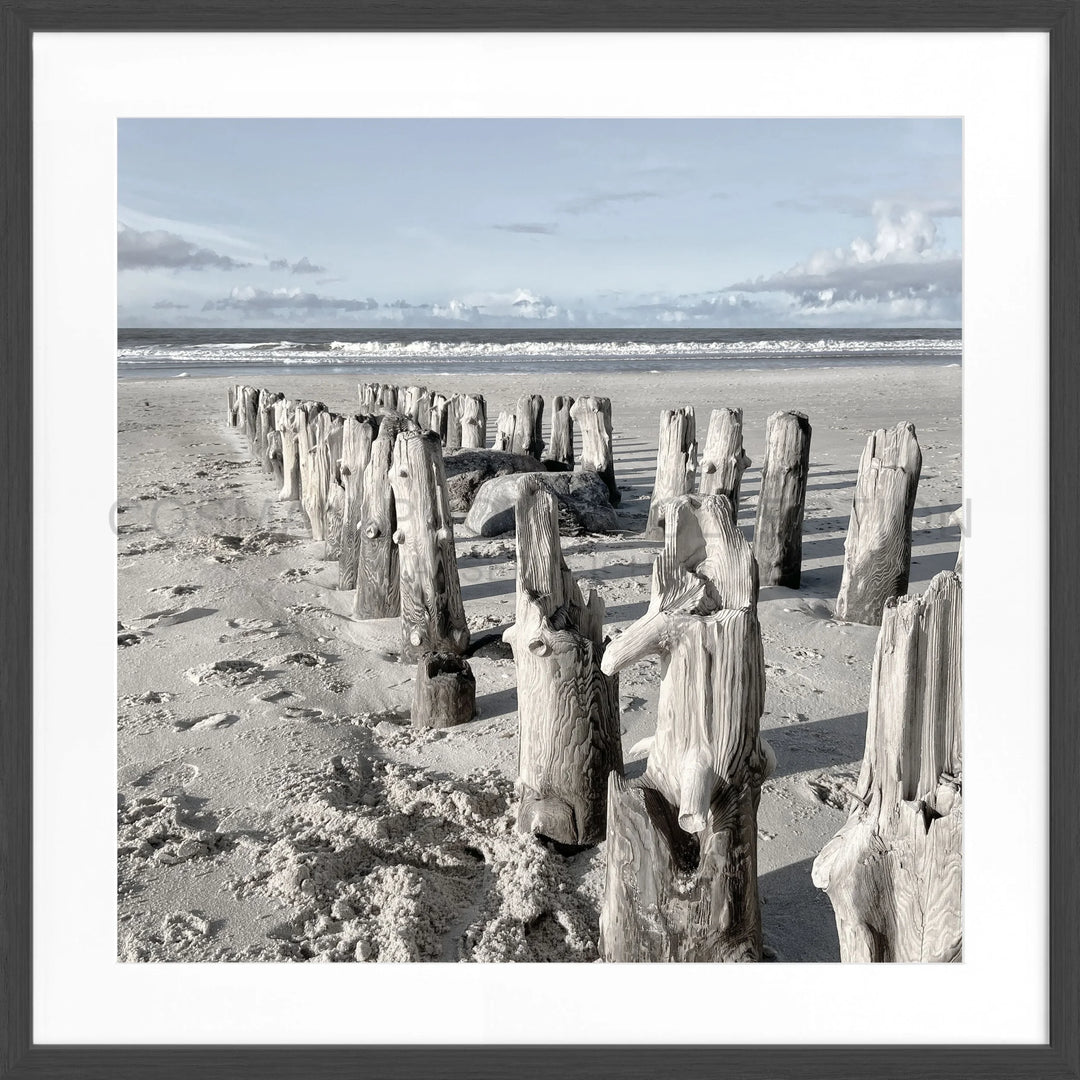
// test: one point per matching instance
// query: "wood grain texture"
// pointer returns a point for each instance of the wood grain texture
(453, 424)
(437, 417)
(894, 871)
(472, 420)
(782, 499)
(378, 592)
(676, 466)
(444, 691)
(593, 418)
(568, 708)
(724, 459)
(877, 551)
(528, 424)
(290, 451)
(681, 871)
(358, 435)
(432, 613)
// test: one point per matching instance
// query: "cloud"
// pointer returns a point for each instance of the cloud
(533, 228)
(303, 266)
(903, 269)
(168, 305)
(253, 301)
(158, 249)
(585, 204)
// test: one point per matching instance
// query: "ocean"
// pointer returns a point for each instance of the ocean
(175, 353)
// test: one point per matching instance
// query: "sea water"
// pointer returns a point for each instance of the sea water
(393, 354)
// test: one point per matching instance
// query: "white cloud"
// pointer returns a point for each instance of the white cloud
(161, 250)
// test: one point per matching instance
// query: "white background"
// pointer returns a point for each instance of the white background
(996, 82)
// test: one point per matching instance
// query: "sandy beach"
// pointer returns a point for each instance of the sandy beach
(283, 808)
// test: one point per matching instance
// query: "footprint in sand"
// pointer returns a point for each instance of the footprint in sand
(251, 628)
(203, 723)
(175, 590)
(226, 673)
(125, 641)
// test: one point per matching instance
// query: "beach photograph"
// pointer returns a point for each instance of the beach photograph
(539, 540)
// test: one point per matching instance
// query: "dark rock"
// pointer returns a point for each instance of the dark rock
(584, 505)
(467, 470)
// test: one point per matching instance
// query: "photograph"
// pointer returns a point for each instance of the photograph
(539, 540)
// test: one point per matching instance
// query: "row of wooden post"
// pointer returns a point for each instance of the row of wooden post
(373, 488)
(877, 553)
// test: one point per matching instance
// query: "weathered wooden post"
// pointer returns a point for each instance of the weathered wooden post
(676, 465)
(444, 694)
(358, 435)
(528, 437)
(472, 418)
(369, 397)
(593, 417)
(681, 873)
(782, 498)
(377, 580)
(432, 614)
(310, 493)
(894, 871)
(328, 463)
(388, 397)
(286, 423)
(233, 411)
(568, 708)
(453, 423)
(437, 420)
(250, 415)
(559, 453)
(267, 403)
(275, 456)
(877, 551)
(504, 431)
(724, 460)
(411, 401)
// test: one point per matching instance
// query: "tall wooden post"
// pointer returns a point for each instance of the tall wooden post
(593, 418)
(894, 871)
(724, 460)
(782, 498)
(310, 490)
(877, 552)
(377, 582)
(432, 613)
(250, 415)
(285, 423)
(528, 436)
(358, 435)
(560, 451)
(676, 465)
(568, 708)
(388, 397)
(472, 416)
(437, 420)
(453, 423)
(328, 461)
(681, 872)
(505, 427)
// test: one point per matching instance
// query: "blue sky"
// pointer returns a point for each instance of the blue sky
(557, 223)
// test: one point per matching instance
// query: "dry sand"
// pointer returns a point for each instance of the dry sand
(275, 804)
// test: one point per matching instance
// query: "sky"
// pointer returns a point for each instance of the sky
(549, 223)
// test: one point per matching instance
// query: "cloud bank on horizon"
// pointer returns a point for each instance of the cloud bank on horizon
(539, 223)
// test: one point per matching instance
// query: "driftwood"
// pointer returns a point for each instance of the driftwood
(359, 433)
(560, 451)
(782, 498)
(681, 873)
(505, 427)
(529, 417)
(894, 871)
(676, 464)
(432, 613)
(724, 460)
(444, 694)
(593, 418)
(877, 551)
(568, 708)
(471, 412)
(377, 580)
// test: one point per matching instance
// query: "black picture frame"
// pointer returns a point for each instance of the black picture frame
(19, 1057)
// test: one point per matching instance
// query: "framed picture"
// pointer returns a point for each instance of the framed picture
(489, 117)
